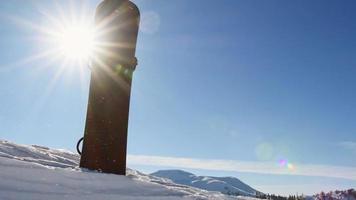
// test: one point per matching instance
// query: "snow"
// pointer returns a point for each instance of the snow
(227, 185)
(36, 173)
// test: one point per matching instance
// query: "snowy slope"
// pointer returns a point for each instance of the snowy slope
(227, 185)
(34, 172)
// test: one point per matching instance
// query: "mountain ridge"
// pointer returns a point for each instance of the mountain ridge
(225, 185)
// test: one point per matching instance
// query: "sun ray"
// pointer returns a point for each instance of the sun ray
(67, 37)
(48, 91)
(28, 60)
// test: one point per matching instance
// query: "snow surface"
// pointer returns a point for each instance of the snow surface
(226, 185)
(35, 172)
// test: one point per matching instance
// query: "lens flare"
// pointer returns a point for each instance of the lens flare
(282, 162)
(150, 22)
(285, 164)
(290, 166)
(264, 151)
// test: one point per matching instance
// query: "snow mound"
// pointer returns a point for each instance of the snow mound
(35, 172)
(226, 185)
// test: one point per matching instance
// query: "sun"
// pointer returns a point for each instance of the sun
(66, 39)
(63, 43)
(75, 42)
(66, 34)
(72, 40)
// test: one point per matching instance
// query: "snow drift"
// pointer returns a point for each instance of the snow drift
(35, 172)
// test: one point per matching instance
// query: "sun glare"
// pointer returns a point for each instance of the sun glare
(76, 42)
(67, 34)
(64, 37)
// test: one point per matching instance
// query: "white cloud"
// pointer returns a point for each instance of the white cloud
(245, 166)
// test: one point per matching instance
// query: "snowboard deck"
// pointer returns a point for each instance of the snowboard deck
(105, 135)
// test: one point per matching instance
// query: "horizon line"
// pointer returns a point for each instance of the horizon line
(259, 167)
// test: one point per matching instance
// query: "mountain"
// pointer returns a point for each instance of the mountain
(40, 173)
(226, 185)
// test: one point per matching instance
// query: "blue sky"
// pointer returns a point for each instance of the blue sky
(243, 81)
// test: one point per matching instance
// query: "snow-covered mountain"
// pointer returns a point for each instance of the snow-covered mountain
(35, 172)
(226, 185)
